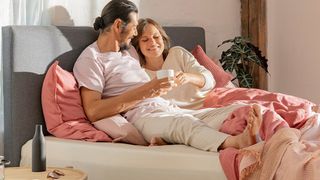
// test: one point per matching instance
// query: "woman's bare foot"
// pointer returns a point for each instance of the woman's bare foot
(248, 136)
(316, 108)
(253, 126)
(157, 141)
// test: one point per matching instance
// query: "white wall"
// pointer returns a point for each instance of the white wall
(76, 13)
(4, 12)
(293, 47)
(220, 18)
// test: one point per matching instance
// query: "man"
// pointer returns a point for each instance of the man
(114, 83)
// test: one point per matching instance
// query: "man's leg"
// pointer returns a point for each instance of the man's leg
(251, 132)
(180, 129)
(316, 108)
(250, 135)
(214, 117)
(157, 141)
(189, 130)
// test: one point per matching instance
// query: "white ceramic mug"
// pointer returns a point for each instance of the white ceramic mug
(165, 73)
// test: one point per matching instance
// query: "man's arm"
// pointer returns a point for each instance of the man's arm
(97, 108)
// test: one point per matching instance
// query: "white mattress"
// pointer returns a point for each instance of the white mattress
(117, 161)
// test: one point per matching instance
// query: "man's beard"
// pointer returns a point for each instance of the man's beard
(124, 46)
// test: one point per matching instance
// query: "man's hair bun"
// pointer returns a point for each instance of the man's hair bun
(98, 23)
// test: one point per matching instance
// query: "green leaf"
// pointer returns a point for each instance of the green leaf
(229, 63)
(237, 58)
(225, 42)
(237, 49)
(261, 60)
(244, 78)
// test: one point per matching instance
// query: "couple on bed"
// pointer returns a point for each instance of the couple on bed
(112, 82)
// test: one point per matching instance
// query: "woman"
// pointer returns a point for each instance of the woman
(195, 83)
(153, 47)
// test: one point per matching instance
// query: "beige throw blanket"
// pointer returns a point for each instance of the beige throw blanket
(288, 154)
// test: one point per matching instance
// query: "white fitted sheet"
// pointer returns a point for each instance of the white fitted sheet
(117, 161)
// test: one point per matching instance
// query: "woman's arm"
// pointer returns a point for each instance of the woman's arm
(97, 108)
(196, 79)
(193, 72)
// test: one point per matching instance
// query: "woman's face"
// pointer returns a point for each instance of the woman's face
(151, 42)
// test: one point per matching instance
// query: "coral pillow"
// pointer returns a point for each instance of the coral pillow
(133, 52)
(221, 77)
(62, 108)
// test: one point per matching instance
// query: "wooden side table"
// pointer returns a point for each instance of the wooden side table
(18, 173)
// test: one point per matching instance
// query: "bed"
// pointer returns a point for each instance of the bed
(28, 51)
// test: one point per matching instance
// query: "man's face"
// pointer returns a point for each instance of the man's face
(128, 31)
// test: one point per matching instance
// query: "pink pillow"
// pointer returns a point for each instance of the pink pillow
(133, 52)
(120, 130)
(62, 108)
(221, 77)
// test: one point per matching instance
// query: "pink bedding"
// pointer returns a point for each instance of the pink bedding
(282, 144)
(289, 154)
(279, 107)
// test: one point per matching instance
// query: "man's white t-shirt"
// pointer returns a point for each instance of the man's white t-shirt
(114, 73)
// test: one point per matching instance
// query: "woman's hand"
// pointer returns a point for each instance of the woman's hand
(183, 78)
(158, 87)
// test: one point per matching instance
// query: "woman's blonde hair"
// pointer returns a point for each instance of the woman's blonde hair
(140, 28)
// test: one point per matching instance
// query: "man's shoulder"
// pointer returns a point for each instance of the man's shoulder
(87, 58)
(89, 51)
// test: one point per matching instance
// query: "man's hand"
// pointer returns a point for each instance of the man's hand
(158, 87)
(97, 108)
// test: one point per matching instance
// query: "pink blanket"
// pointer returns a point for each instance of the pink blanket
(281, 110)
(289, 154)
(282, 147)
(290, 108)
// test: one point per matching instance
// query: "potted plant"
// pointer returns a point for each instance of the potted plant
(241, 58)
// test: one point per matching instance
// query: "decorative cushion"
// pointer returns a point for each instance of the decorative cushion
(133, 52)
(62, 107)
(120, 130)
(221, 77)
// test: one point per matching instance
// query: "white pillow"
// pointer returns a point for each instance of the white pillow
(120, 130)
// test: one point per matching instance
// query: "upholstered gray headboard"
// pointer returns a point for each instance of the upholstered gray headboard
(27, 53)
